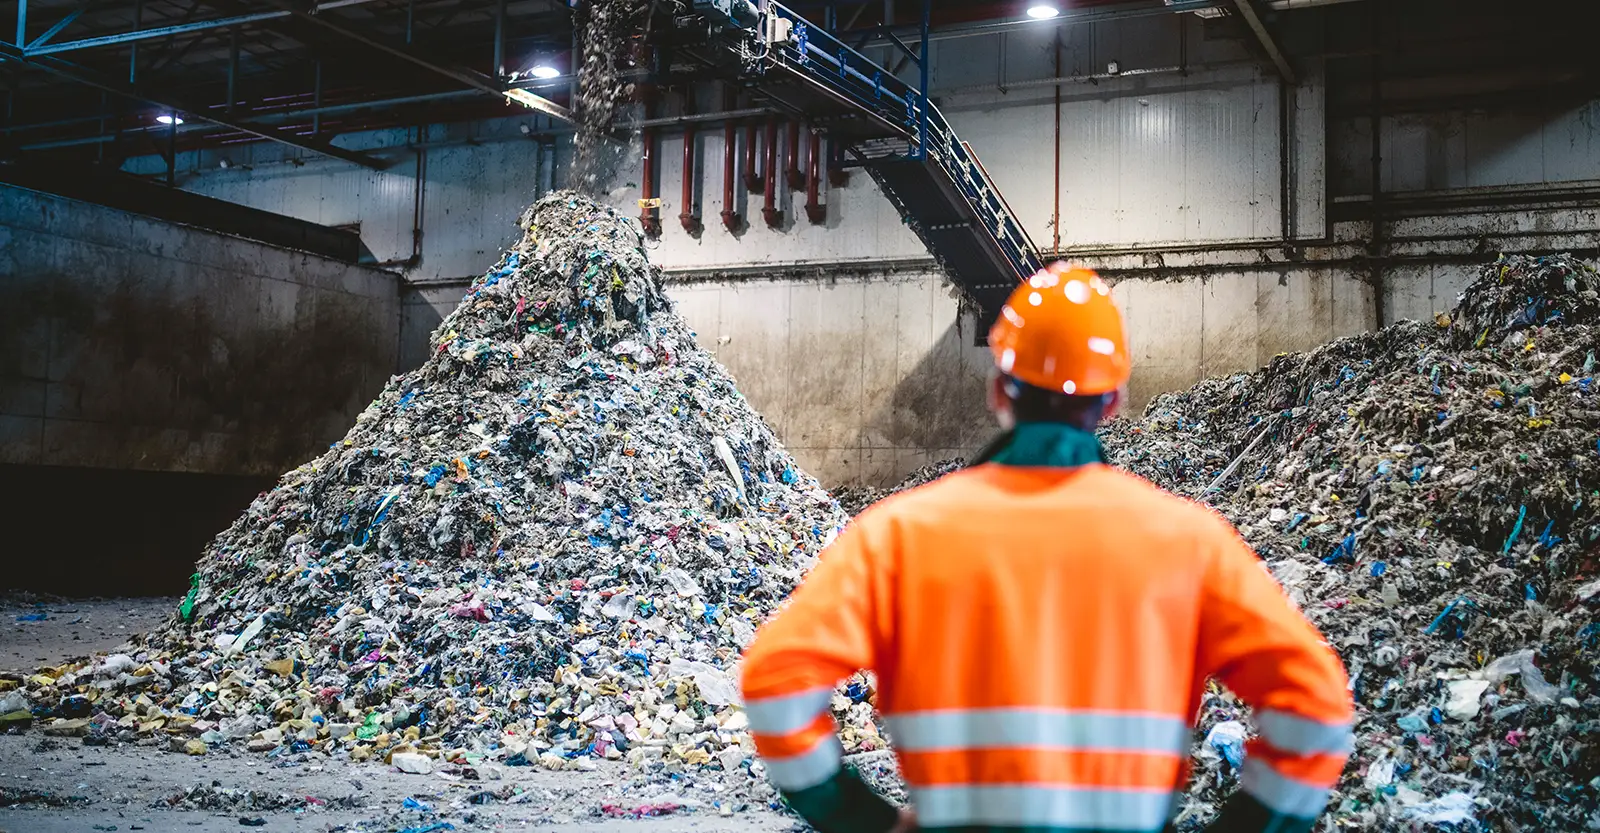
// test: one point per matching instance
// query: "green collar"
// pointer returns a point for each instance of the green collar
(1049, 444)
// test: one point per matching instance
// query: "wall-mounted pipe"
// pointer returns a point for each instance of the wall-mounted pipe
(649, 214)
(688, 217)
(770, 211)
(730, 146)
(419, 192)
(752, 173)
(815, 211)
(797, 180)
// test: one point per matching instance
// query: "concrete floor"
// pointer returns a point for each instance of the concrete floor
(66, 787)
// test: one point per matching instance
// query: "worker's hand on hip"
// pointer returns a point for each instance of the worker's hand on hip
(906, 823)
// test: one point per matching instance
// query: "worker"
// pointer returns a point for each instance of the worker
(1042, 627)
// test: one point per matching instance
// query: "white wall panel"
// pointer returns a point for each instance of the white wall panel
(1470, 149)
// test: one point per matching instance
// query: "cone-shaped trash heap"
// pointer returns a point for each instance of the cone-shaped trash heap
(547, 543)
(1428, 494)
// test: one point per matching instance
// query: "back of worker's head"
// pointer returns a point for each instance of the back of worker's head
(1060, 351)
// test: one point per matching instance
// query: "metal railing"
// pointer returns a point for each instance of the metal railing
(847, 73)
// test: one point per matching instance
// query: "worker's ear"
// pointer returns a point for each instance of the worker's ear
(1119, 397)
(1000, 403)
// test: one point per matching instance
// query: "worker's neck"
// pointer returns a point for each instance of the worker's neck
(1049, 444)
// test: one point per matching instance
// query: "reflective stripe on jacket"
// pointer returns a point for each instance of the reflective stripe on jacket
(1042, 638)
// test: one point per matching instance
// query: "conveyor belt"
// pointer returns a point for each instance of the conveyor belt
(894, 132)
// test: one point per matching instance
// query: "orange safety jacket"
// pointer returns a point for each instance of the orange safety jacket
(1042, 636)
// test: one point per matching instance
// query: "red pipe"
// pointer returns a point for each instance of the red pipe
(797, 180)
(649, 215)
(752, 174)
(1055, 218)
(690, 221)
(730, 141)
(815, 211)
(770, 212)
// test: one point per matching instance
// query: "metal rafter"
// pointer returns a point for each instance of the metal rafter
(87, 77)
(178, 29)
(468, 77)
(1252, 18)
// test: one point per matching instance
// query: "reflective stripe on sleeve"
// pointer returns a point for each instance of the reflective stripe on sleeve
(1037, 729)
(1062, 807)
(1279, 793)
(808, 769)
(787, 714)
(1299, 735)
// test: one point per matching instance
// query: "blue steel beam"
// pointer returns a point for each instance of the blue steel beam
(172, 104)
(164, 31)
(61, 24)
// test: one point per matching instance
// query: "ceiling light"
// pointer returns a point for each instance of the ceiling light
(1042, 11)
(545, 72)
(165, 118)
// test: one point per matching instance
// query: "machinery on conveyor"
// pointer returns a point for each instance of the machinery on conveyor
(890, 127)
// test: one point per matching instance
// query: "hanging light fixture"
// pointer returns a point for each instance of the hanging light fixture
(169, 118)
(1043, 11)
(545, 72)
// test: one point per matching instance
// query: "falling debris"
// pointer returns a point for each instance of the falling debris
(604, 28)
(1428, 495)
(545, 546)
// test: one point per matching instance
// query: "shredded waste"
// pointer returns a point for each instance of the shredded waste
(545, 546)
(1429, 494)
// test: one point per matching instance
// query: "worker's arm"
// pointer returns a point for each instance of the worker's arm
(1254, 640)
(829, 629)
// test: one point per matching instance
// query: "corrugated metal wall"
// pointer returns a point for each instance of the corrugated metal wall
(1470, 149)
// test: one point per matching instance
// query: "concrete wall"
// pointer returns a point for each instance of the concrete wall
(867, 375)
(130, 343)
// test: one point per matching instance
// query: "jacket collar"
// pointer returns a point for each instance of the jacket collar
(1046, 444)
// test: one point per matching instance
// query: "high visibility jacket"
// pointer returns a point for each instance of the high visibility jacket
(1042, 637)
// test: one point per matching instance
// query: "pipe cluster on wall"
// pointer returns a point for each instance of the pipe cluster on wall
(800, 168)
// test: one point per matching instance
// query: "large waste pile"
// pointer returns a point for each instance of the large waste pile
(1430, 495)
(548, 544)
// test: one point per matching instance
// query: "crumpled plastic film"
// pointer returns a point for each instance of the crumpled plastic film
(546, 545)
(1429, 494)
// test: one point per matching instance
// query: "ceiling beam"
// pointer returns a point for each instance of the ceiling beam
(461, 75)
(41, 48)
(1252, 18)
(64, 69)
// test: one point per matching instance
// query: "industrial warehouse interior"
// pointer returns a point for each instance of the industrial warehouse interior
(734, 415)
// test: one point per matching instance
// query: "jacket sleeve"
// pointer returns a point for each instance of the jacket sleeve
(1256, 643)
(829, 629)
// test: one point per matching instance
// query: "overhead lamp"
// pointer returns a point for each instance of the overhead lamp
(545, 72)
(168, 118)
(1043, 11)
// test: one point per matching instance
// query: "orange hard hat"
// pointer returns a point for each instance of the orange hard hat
(1061, 331)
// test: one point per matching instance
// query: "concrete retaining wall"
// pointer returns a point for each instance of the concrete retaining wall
(130, 343)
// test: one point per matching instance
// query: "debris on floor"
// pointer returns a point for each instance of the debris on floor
(1430, 495)
(545, 546)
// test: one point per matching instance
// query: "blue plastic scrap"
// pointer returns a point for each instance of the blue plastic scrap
(1522, 515)
(1346, 550)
